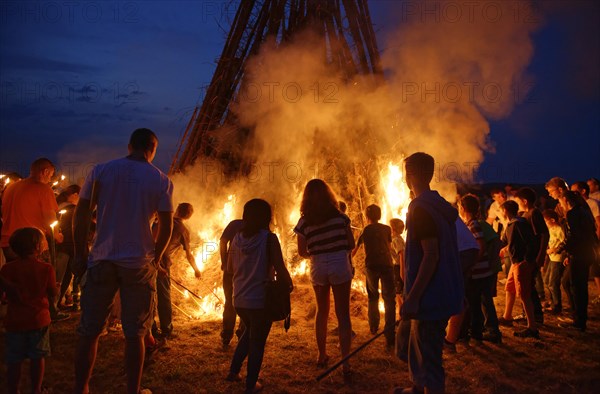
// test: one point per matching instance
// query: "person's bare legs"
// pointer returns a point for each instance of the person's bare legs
(85, 357)
(509, 303)
(341, 297)
(454, 325)
(134, 363)
(322, 296)
(528, 307)
(13, 377)
(36, 371)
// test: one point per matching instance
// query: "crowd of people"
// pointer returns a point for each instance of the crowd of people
(437, 270)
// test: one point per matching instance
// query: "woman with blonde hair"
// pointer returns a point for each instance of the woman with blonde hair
(325, 237)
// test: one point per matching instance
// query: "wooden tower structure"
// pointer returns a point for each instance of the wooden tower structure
(349, 44)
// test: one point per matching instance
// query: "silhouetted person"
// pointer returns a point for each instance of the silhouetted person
(127, 194)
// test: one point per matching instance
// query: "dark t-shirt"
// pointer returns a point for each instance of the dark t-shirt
(377, 238)
(179, 237)
(536, 220)
(520, 241)
(234, 227)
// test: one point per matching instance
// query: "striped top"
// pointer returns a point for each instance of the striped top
(327, 237)
(483, 268)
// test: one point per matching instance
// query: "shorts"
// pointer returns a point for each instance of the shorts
(330, 268)
(22, 345)
(137, 287)
(520, 279)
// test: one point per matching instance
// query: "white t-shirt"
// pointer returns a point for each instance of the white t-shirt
(129, 193)
(594, 206)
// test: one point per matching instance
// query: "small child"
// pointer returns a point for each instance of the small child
(31, 286)
(556, 255)
(377, 238)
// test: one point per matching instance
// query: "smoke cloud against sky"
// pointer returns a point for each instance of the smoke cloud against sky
(497, 83)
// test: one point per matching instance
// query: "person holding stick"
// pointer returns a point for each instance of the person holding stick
(325, 237)
(434, 288)
(179, 237)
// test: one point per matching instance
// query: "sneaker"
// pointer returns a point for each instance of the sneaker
(373, 330)
(571, 326)
(505, 322)
(145, 391)
(528, 333)
(151, 349)
(60, 317)
(520, 317)
(493, 337)
(171, 335)
(565, 320)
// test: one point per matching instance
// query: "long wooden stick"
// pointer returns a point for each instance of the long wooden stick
(192, 293)
(352, 353)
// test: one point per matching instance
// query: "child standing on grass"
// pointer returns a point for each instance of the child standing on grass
(30, 285)
(377, 239)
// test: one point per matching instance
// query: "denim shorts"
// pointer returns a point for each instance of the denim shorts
(22, 345)
(137, 287)
(330, 268)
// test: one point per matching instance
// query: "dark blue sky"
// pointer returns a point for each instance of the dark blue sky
(77, 77)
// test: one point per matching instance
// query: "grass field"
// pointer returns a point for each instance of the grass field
(196, 362)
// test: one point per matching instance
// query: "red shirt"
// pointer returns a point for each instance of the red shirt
(34, 281)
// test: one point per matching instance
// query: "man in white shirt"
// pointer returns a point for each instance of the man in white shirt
(594, 185)
(494, 218)
(127, 194)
